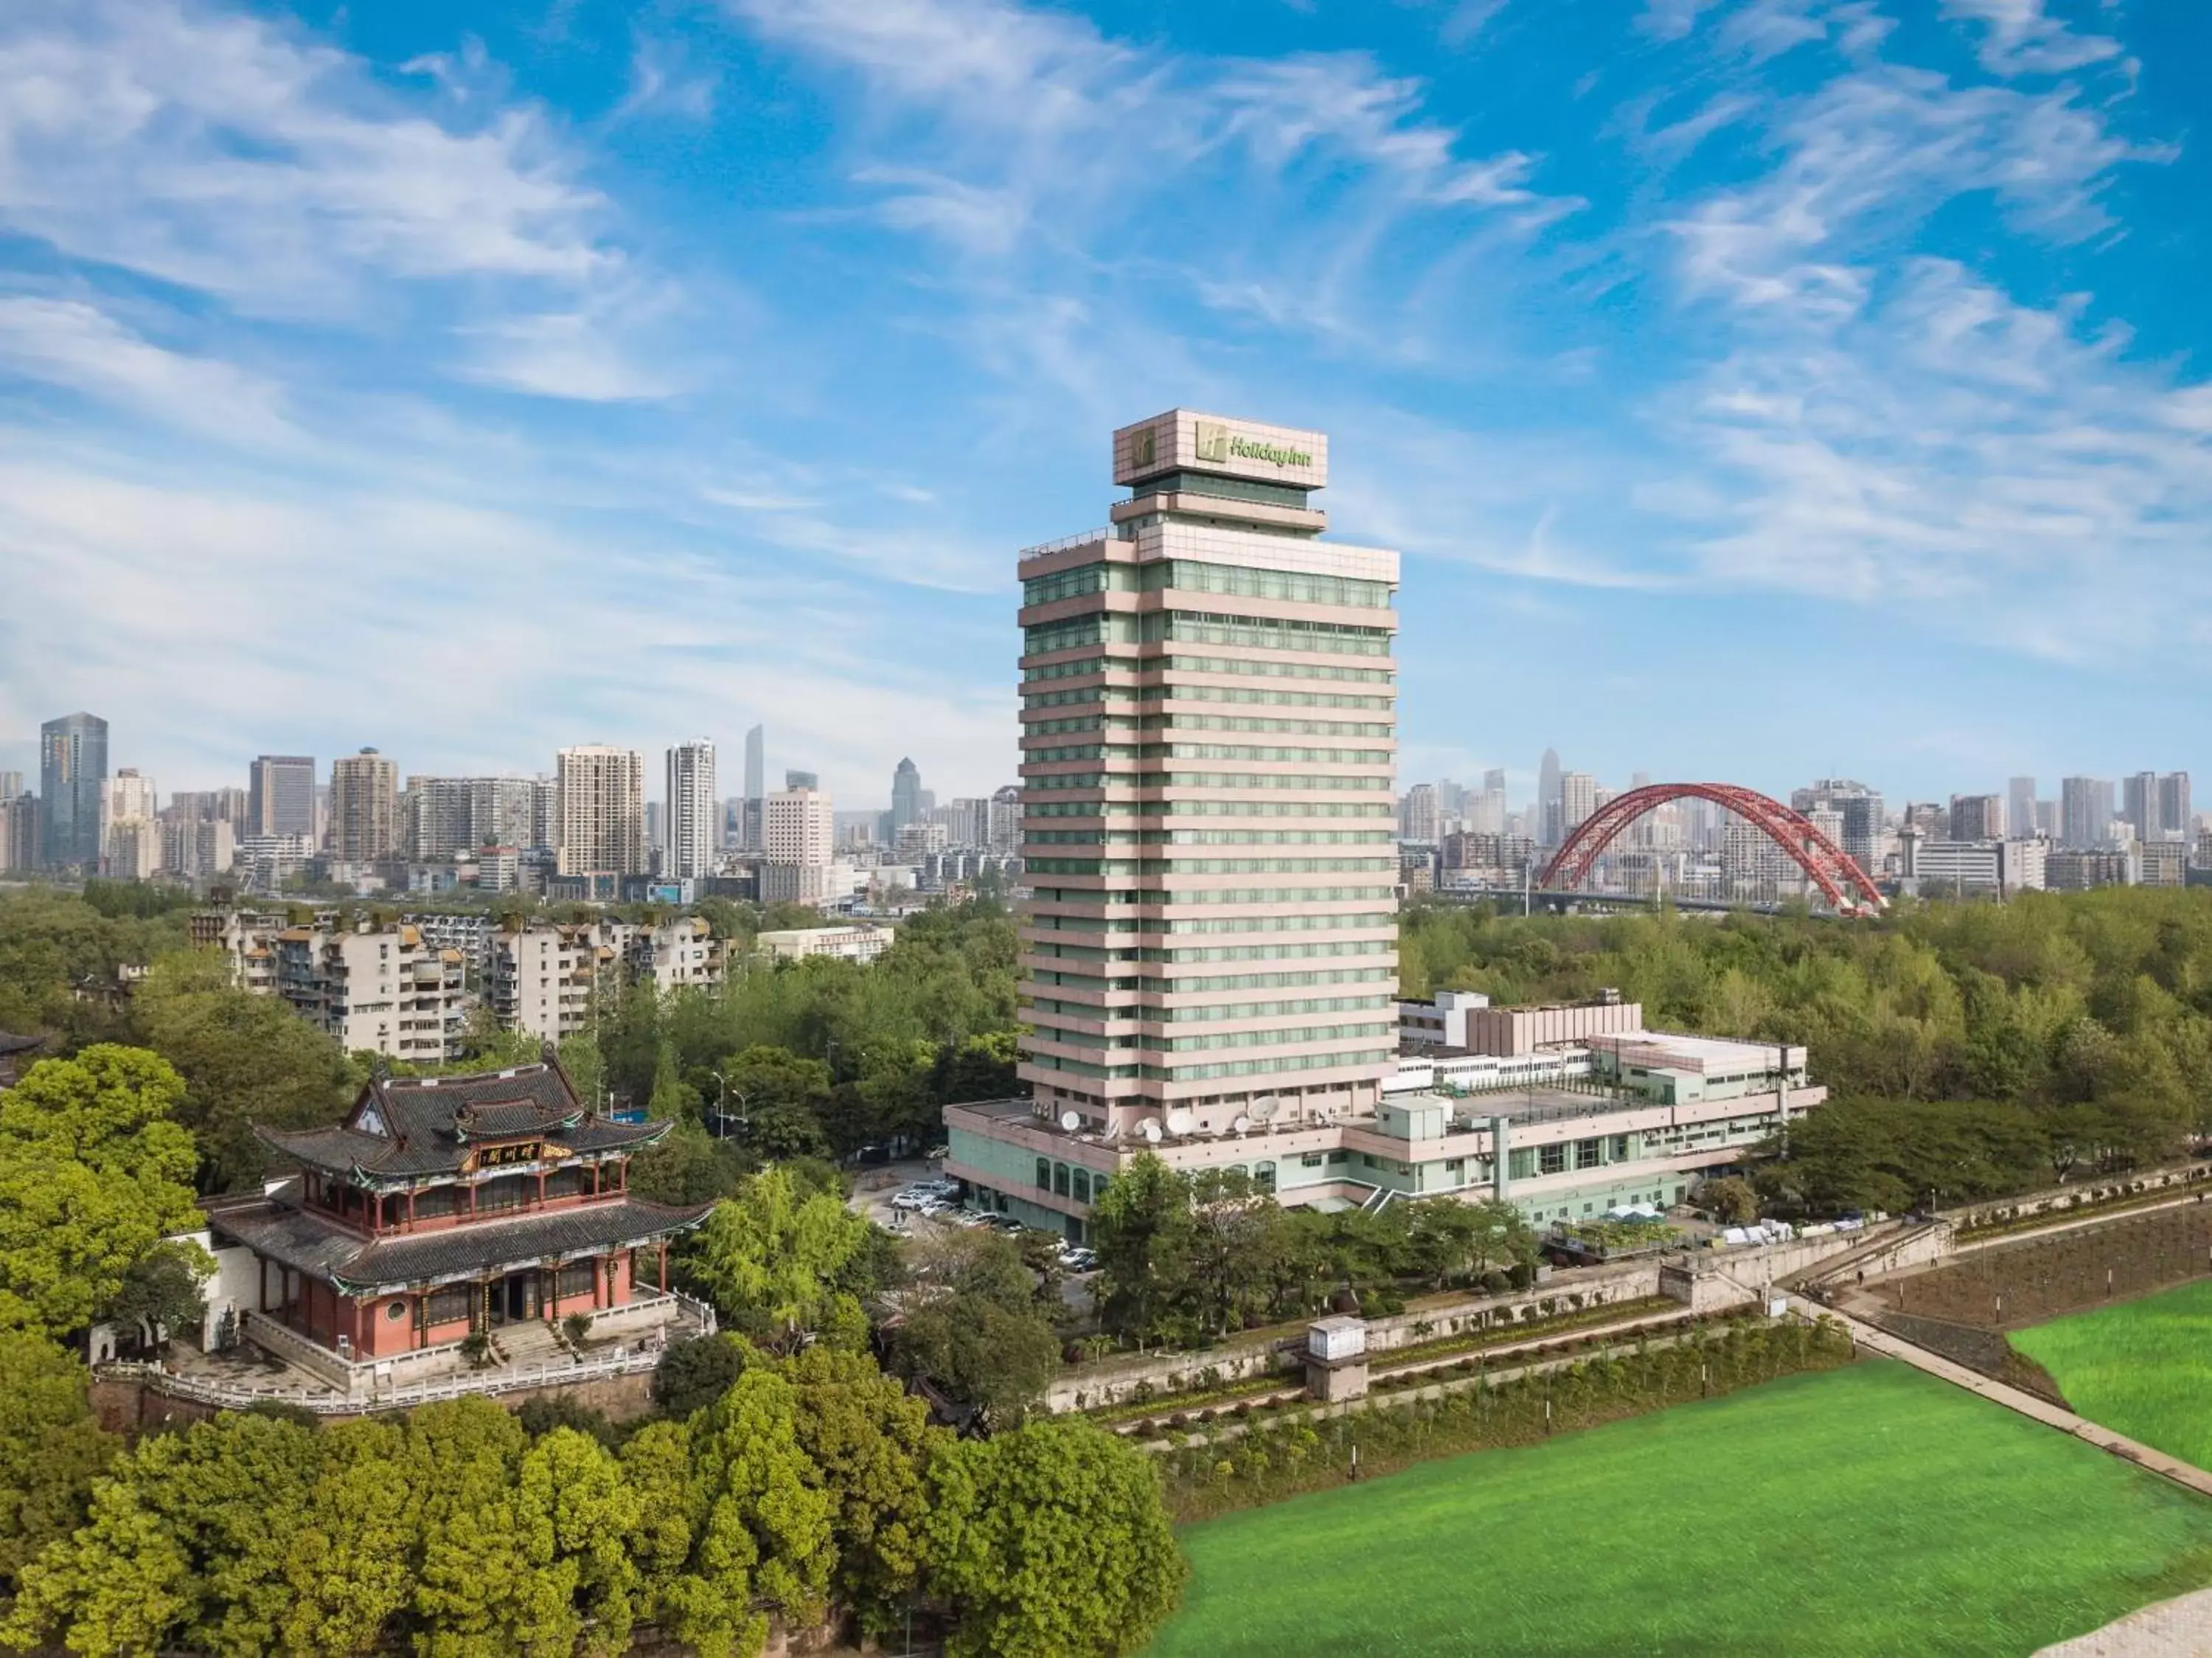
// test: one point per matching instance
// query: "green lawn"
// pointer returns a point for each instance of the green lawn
(2143, 1368)
(1865, 1510)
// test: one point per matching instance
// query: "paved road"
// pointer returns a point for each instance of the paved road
(1877, 1340)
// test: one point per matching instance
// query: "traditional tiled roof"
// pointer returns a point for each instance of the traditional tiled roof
(277, 1229)
(11, 1043)
(404, 1126)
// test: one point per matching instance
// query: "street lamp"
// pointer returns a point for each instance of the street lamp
(722, 1107)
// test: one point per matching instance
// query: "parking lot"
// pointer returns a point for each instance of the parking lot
(905, 1196)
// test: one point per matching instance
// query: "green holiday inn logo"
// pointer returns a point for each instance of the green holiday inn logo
(1217, 444)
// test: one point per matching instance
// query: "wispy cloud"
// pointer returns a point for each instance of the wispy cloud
(2019, 37)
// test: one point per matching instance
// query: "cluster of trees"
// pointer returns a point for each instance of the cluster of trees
(1187, 1258)
(1969, 1050)
(810, 1484)
(810, 1058)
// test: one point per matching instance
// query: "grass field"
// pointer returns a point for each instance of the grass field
(2142, 1368)
(1870, 1510)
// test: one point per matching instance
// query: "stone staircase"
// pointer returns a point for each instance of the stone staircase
(533, 1342)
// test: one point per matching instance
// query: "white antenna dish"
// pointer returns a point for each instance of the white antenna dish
(1263, 1108)
(1242, 1124)
(1070, 1121)
(1181, 1121)
(1152, 1130)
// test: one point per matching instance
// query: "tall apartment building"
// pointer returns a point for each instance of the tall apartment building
(1978, 817)
(541, 979)
(1545, 815)
(72, 774)
(199, 848)
(2085, 813)
(11, 784)
(1208, 744)
(1866, 833)
(377, 990)
(1579, 798)
(2177, 819)
(800, 835)
(130, 832)
(364, 808)
(2021, 820)
(280, 796)
(1002, 831)
(602, 812)
(21, 842)
(2158, 806)
(689, 813)
(1417, 818)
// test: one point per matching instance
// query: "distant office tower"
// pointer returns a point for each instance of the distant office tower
(905, 795)
(280, 796)
(1977, 817)
(801, 780)
(2085, 812)
(1548, 830)
(602, 811)
(209, 806)
(756, 786)
(72, 772)
(688, 849)
(2177, 820)
(1578, 800)
(2020, 809)
(799, 830)
(1486, 812)
(967, 821)
(11, 784)
(199, 848)
(1416, 815)
(364, 808)
(1494, 778)
(1263, 842)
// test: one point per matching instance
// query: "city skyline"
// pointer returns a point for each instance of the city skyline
(649, 428)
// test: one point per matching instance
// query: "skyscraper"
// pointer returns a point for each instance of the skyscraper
(11, 784)
(2177, 820)
(280, 796)
(1978, 817)
(756, 786)
(1418, 814)
(906, 796)
(2020, 809)
(2139, 804)
(364, 808)
(602, 810)
(2085, 812)
(688, 853)
(1549, 830)
(129, 843)
(799, 830)
(1252, 824)
(72, 773)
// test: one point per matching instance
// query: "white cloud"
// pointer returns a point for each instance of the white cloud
(218, 152)
(75, 345)
(2019, 38)
(1867, 157)
(662, 83)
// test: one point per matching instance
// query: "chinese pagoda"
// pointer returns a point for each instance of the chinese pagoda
(447, 1205)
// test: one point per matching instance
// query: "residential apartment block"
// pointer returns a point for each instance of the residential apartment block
(376, 989)
(602, 811)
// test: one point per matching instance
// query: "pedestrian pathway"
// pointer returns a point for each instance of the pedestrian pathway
(1873, 1339)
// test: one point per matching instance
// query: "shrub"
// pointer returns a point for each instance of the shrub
(476, 1347)
(576, 1326)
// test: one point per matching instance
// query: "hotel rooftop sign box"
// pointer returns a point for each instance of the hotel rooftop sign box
(1182, 440)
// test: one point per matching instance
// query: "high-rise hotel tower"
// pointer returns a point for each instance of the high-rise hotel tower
(1208, 744)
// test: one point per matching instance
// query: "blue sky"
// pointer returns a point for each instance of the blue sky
(1757, 390)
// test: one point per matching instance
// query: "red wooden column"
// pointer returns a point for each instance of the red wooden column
(411, 1208)
(541, 1188)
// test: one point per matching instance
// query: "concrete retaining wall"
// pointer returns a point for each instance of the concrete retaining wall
(129, 1405)
(1113, 1381)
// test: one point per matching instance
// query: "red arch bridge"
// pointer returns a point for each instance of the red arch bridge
(1836, 874)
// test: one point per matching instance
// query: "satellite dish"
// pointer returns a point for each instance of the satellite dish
(1241, 1124)
(1181, 1121)
(1263, 1108)
(1152, 1130)
(1070, 1121)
